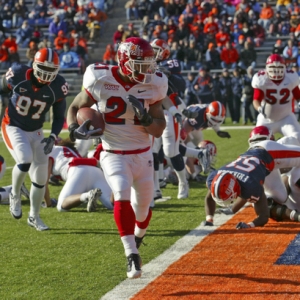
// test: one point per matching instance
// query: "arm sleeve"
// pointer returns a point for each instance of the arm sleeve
(296, 93)
(59, 109)
(258, 95)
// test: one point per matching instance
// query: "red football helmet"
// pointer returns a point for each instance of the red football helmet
(212, 149)
(136, 59)
(225, 189)
(215, 113)
(45, 65)
(161, 49)
(260, 133)
(275, 67)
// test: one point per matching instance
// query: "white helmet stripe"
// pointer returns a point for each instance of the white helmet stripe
(220, 108)
(50, 54)
(217, 184)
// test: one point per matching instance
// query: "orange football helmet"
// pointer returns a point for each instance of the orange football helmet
(161, 49)
(225, 189)
(45, 65)
(215, 113)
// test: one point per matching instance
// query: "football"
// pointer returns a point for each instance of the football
(95, 117)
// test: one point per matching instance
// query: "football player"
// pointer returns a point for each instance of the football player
(33, 91)
(170, 138)
(275, 89)
(84, 180)
(129, 97)
(202, 116)
(244, 179)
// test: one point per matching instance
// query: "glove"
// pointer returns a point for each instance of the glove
(178, 119)
(81, 132)
(223, 134)
(50, 141)
(190, 114)
(140, 111)
(242, 225)
(261, 109)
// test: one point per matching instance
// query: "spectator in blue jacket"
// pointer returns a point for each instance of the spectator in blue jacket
(24, 34)
(68, 58)
(55, 26)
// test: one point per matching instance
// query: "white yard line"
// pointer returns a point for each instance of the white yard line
(129, 287)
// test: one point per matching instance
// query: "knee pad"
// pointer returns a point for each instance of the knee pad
(24, 167)
(177, 162)
(37, 185)
(277, 211)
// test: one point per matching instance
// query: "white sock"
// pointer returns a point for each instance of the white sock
(181, 176)
(18, 178)
(129, 244)
(36, 198)
(84, 197)
(139, 232)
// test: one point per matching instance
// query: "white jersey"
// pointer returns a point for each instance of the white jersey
(122, 130)
(293, 201)
(61, 157)
(278, 96)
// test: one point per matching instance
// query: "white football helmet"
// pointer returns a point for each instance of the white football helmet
(275, 67)
(212, 149)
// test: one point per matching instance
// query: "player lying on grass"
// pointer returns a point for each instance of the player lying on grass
(84, 180)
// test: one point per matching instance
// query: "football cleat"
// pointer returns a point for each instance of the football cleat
(25, 192)
(162, 183)
(139, 241)
(157, 194)
(92, 200)
(183, 190)
(204, 160)
(134, 263)
(15, 206)
(207, 223)
(37, 223)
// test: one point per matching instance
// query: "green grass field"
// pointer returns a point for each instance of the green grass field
(82, 257)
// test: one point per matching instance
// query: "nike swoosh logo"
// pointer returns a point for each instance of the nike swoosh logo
(141, 91)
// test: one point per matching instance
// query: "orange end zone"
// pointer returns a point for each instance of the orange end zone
(232, 264)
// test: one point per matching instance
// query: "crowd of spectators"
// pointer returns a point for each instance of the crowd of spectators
(65, 25)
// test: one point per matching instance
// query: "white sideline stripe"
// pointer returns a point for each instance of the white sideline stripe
(129, 287)
(222, 128)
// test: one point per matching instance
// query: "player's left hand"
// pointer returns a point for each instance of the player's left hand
(178, 118)
(50, 141)
(242, 225)
(140, 111)
(81, 132)
(223, 134)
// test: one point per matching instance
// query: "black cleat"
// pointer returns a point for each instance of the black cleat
(134, 263)
(139, 241)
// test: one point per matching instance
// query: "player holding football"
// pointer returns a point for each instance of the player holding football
(275, 89)
(129, 97)
(33, 91)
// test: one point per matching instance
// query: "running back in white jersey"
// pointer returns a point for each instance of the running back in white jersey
(278, 96)
(122, 129)
(61, 157)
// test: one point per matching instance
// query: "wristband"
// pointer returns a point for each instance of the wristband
(53, 135)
